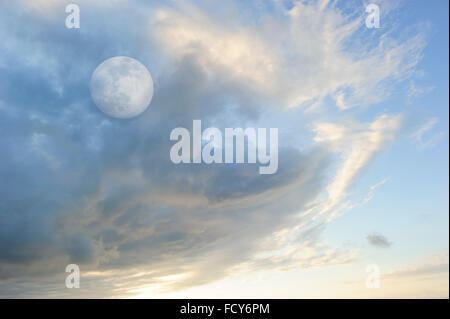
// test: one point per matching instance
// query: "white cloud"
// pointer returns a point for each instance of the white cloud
(356, 145)
(295, 60)
(371, 193)
(428, 125)
(416, 90)
(419, 135)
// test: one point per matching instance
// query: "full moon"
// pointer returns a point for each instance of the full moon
(122, 87)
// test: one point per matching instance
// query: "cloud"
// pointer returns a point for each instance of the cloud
(357, 144)
(378, 240)
(428, 125)
(416, 91)
(372, 190)
(296, 57)
(419, 135)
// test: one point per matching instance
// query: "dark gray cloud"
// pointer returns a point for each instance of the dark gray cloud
(379, 240)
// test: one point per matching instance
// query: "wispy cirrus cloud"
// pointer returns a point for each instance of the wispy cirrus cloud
(296, 56)
(357, 144)
(419, 135)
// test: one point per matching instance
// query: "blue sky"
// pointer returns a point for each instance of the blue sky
(362, 116)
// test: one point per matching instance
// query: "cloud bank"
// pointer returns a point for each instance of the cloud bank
(87, 189)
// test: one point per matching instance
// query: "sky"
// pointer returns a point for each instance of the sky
(361, 190)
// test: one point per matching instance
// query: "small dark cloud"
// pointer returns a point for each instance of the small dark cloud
(379, 241)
